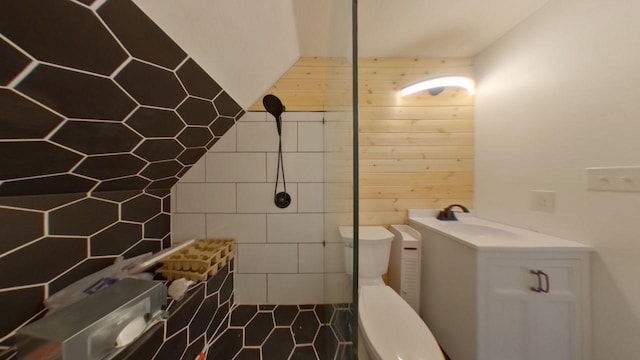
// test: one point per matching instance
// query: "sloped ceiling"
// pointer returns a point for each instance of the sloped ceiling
(247, 45)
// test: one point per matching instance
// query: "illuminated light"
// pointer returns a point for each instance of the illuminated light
(437, 85)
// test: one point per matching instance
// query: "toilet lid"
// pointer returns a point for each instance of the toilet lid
(366, 233)
(392, 328)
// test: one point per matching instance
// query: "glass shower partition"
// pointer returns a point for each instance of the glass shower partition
(341, 174)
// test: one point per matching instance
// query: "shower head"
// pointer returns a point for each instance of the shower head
(274, 106)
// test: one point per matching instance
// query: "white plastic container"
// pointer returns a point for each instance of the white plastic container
(404, 264)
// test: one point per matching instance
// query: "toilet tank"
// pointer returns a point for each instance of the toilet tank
(374, 248)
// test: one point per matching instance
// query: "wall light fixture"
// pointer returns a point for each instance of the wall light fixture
(437, 85)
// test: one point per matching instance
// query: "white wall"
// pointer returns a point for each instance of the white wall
(280, 257)
(556, 95)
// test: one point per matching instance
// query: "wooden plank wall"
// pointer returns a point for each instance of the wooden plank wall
(416, 151)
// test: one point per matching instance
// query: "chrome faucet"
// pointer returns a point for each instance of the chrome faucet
(449, 215)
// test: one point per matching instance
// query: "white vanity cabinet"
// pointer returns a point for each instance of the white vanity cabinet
(533, 305)
(496, 297)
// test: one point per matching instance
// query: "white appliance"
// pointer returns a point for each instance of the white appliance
(404, 264)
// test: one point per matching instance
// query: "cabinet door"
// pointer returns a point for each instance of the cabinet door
(510, 331)
(557, 314)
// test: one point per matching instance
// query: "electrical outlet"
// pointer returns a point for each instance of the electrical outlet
(542, 200)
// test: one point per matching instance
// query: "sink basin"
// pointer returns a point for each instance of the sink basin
(479, 230)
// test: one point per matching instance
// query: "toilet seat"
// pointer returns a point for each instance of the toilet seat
(391, 328)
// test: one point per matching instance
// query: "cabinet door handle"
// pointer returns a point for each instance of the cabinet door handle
(546, 281)
(539, 288)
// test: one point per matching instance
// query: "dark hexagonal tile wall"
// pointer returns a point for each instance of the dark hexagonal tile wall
(110, 166)
(151, 122)
(19, 305)
(13, 62)
(193, 136)
(162, 169)
(196, 111)
(151, 85)
(56, 184)
(221, 125)
(141, 208)
(75, 94)
(115, 239)
(197, 81)
(96, 137)
(140, 35)
(41, 261)
(83, 43)
(33, 158)
(83, 218)
(19, 227)
(159, 149)
(128, 146)
(21, 118)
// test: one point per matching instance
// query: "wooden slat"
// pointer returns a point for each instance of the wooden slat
(415, 152)
(410, 165)
(411, 179)
(431, 139)
(415, 126)
(415, 191)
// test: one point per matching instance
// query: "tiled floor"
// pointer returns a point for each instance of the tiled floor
(281, 332)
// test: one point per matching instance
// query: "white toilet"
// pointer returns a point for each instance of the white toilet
(389, 329)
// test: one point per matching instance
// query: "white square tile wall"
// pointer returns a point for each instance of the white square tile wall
(280, 257)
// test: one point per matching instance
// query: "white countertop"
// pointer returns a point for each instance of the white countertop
(487, 235)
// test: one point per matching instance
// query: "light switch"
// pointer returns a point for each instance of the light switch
(619, 178)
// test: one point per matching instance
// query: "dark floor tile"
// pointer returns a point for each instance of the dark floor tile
(159, 149)
(143, 247)
(241, 314)
(158, 227)
(196, 111)
(162, 169)
(303, 353)
(345, 352)
(257, 329)
(128, 183)
(279, 345)
(226, 291)
(326, 343)
(110, 166)
(141, 208)
(248, 354)
(324, 313)
(151, 122)
(221, 125)
(285, 314)
(305, 327)
(343, 324)
(195, 137)
(227, 346)
(220, 321)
